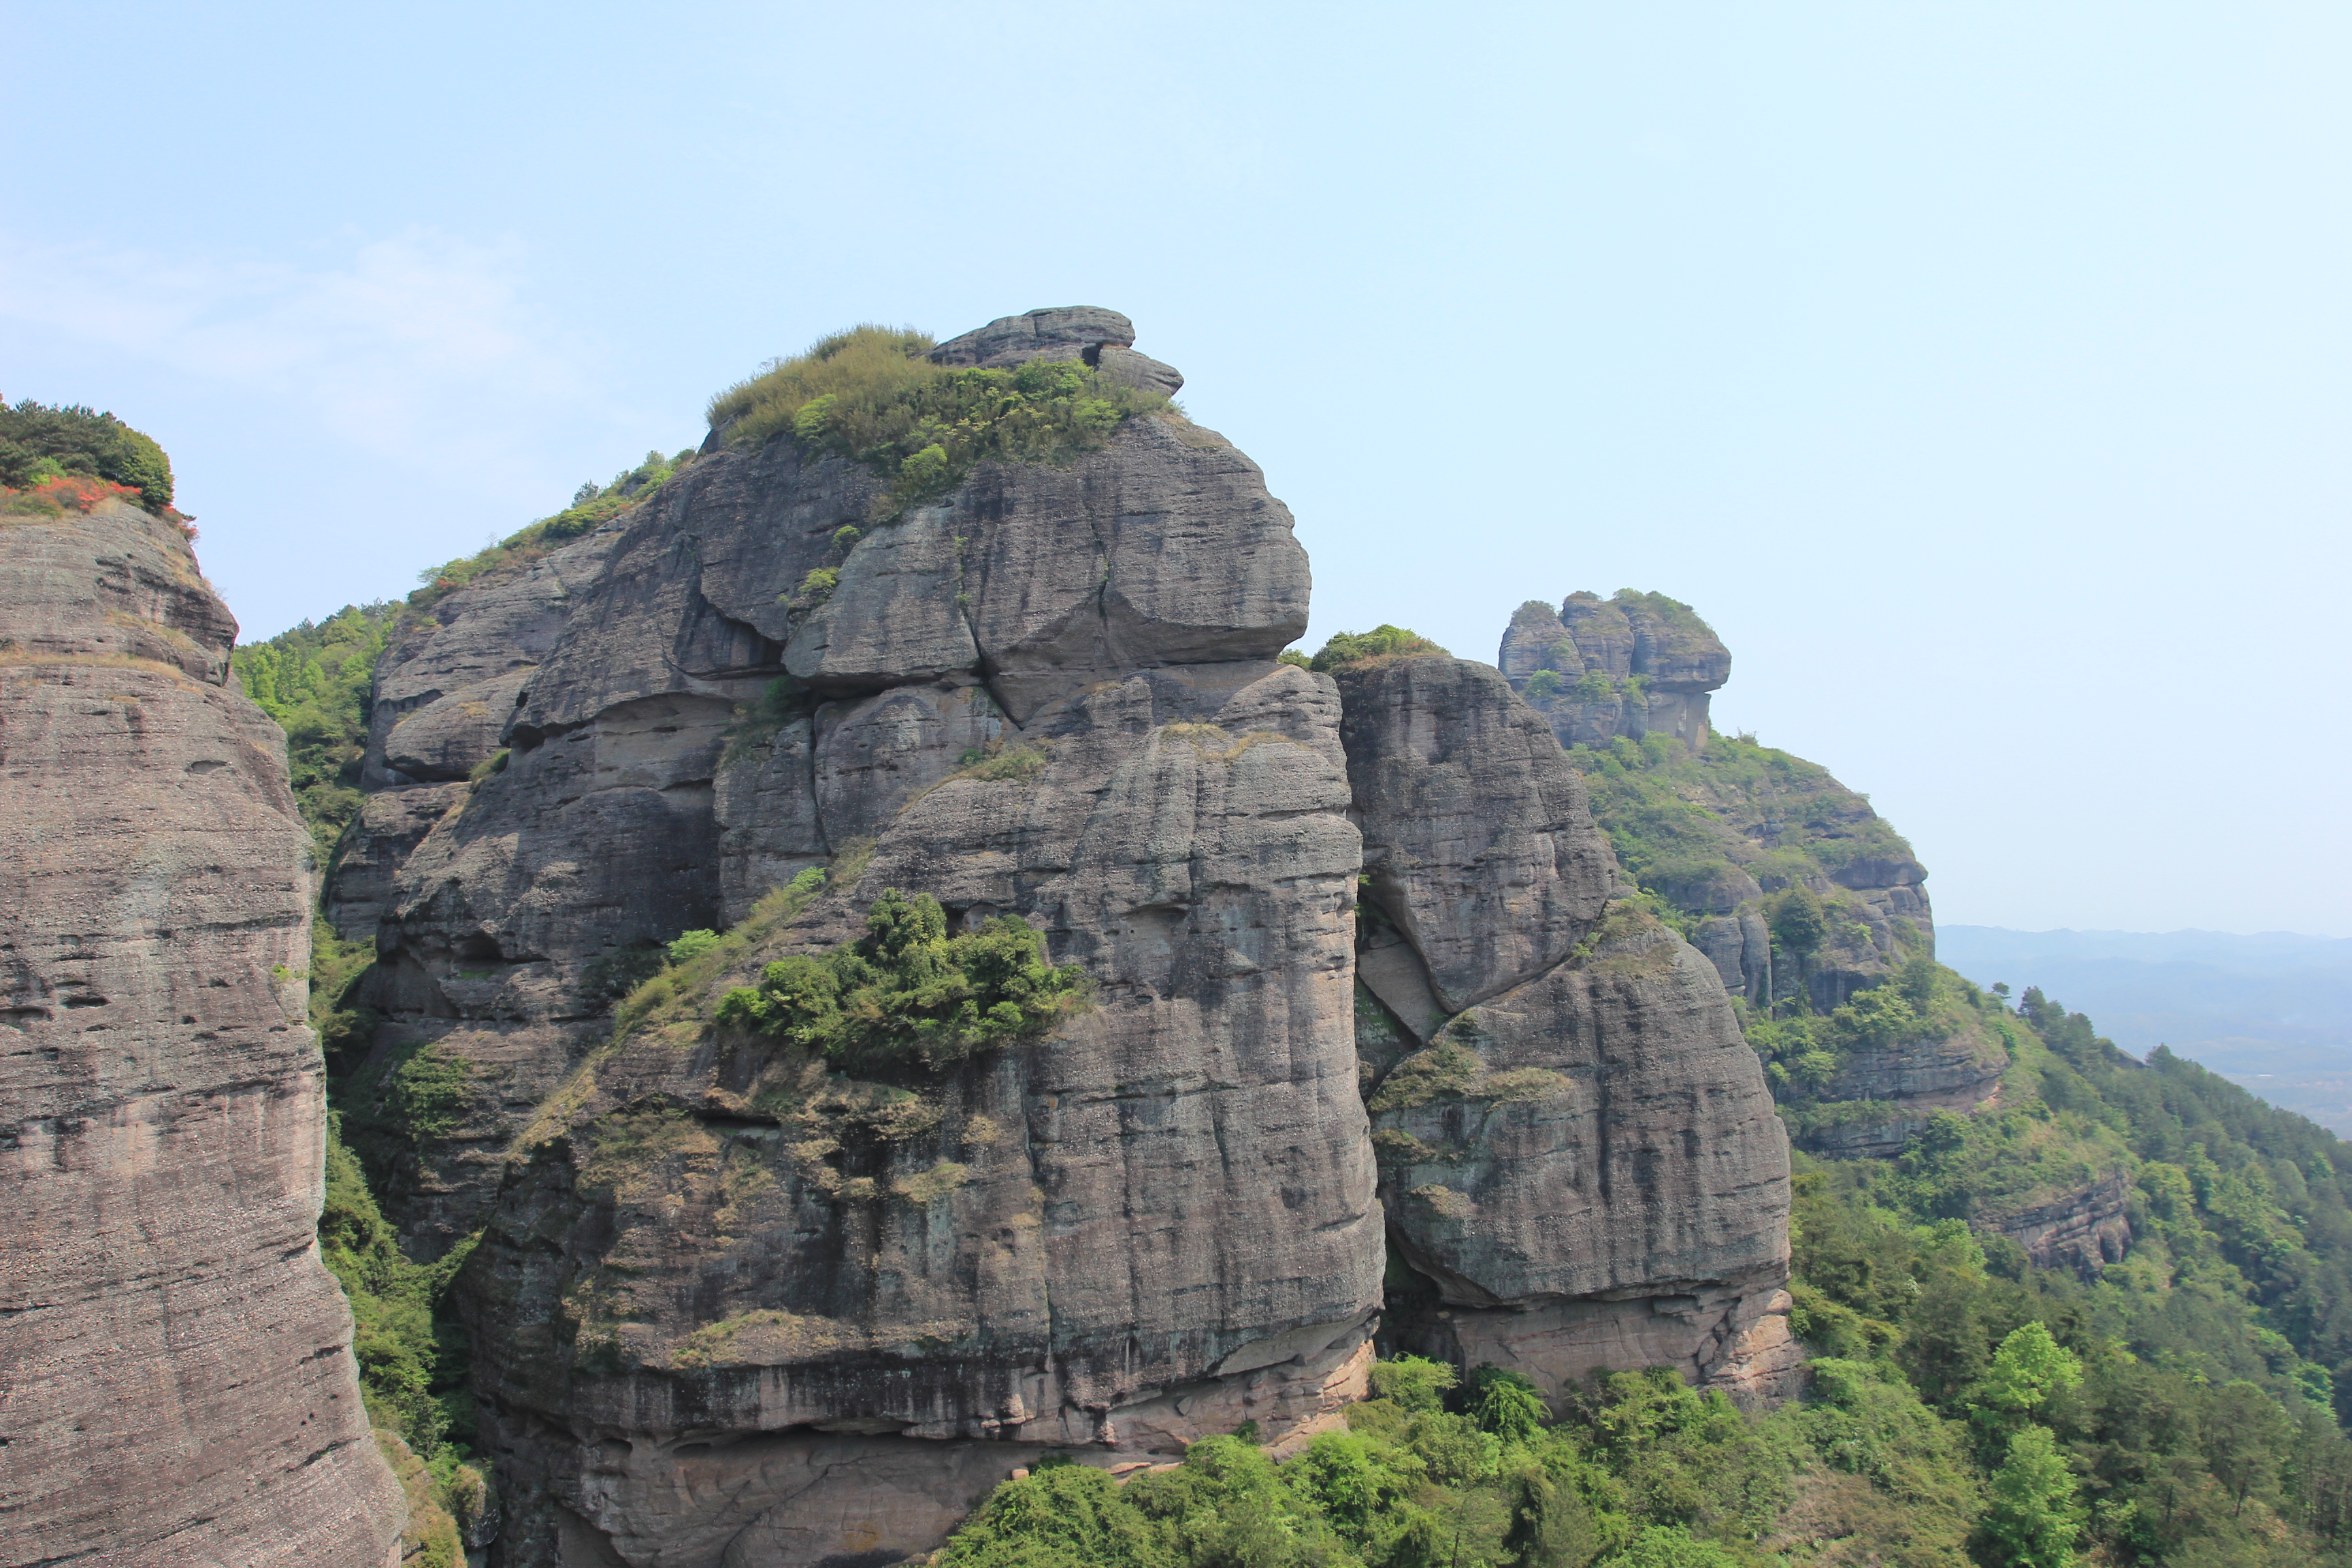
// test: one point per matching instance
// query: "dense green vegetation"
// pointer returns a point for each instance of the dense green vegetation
(39, 444)
(315, 681)
(411, 1352)
(1803, 1051)
(1685, 822)
(1381, 642)
(1964, 1406)
(907, 995)
(869, 394)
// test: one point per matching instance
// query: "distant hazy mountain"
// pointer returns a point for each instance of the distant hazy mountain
(2272, 1011)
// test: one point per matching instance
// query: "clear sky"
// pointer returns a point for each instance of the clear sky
(1978, 371)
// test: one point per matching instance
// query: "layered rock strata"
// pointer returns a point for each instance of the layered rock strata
(176, 1377)
(2083, 1230)
(730, 1307)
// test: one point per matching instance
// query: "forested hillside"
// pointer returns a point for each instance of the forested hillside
(2173, 1409)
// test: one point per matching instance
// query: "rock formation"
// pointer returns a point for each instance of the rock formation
(729, 1307)
(1747, 825)
(1632, 665)
(1577, 1148)
(176, 1380)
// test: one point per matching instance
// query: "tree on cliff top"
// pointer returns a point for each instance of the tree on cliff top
(40, 442)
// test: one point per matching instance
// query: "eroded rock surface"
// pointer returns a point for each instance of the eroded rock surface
(1585, 1163)
(176, 1380)
(729, 1307)
(1650, 661)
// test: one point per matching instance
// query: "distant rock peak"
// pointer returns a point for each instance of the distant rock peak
(1633, 664)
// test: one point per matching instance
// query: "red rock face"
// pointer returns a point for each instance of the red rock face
(176, 1382)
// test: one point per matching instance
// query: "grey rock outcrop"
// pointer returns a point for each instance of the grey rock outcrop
(1481, 848)
(1102, 339)
(1584, 1164)
(729, 1307)
(176, 1376)
(1163, 1222)
(1750, 825)
(1158, 1223)
(2083, 1229)
(1635, 664)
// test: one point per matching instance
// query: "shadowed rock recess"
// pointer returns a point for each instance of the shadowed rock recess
(176, 1381)
(729, 1307)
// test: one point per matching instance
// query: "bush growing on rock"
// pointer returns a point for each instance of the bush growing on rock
(907, 995)
(1381, 642)
(869, 394)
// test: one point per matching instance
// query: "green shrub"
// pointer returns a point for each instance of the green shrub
(315, 681)
(691, 945)
(1594, 686)
(908, 995)
(869, 394)
(1381, 642)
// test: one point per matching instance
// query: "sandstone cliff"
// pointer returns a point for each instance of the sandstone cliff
(731, 1305)
(176, 1380)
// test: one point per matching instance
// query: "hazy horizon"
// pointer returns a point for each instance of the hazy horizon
(1975, 373)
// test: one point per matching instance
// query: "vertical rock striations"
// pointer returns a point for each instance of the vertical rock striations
(176, 1381)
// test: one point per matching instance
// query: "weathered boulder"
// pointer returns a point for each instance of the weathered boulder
(1585, 1165)
(1102, 339)
(1477, 835)
(1065, 332)
(175, 1364)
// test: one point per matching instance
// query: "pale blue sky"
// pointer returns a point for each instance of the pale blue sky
(1979, 370)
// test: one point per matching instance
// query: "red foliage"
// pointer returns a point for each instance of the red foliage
(80, 492)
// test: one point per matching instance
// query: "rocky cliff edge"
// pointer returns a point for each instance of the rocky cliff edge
(176, 1380)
